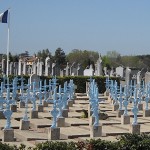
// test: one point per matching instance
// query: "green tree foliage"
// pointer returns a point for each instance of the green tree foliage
(15, 58)
(60, 57)
(106, 62)
(85, 58)
(144, 61)
(43, 54)
(130, 61)
(12, 58)
(114, 58)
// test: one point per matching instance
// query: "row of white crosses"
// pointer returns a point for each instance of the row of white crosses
(60, 101)
(7, 101)
(31, 95)
(132, 93)
(94, 101)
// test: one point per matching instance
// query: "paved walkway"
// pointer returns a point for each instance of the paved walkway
(76, 127)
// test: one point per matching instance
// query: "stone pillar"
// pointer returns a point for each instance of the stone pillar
(13, 108)
(125, 119)
(91, 120)
(146, 113)
(115, 107)
(53, 69)
(70, 103)
(140, 106)
(60, 122)
(2, 114)
(106, 93)
(109, 99)
(95, 131)
(19, 68)
(89, 110)
(34, 114)
(21, 104)
(8, 135)
(99, 66)
(135, 128)
(65, 113)
(24, 124)
(24, 68)
(40, 108)
(47, 61)
(45, 104)
(67, 70)
(53, 133)
(11, 70)
(119, 113)
(34, 71)
(40, 69)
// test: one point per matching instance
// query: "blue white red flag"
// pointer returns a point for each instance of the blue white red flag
(4, 16)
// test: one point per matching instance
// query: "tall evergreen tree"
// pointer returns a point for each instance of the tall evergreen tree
(60, 57)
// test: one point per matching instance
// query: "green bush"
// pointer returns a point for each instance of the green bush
(79, 81)
(54, 145)
(134, 142)
(6, 147)
(125, 142)
(101, 144)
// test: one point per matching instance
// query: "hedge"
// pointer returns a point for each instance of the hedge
(124, 142)
(79, 81)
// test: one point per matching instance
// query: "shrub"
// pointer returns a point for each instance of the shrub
(79, 81)
(125, 142)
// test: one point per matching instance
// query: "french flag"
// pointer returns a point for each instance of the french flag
(3, 17)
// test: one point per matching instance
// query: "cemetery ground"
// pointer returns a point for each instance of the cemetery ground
(77, 124)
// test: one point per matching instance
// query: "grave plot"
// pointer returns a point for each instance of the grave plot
(51, 112)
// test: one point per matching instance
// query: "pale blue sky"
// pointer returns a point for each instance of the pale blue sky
(96, 25)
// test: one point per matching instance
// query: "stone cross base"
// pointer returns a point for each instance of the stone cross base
(13, 108)
(115, 107)
(34, 114)
(125, 119)
(24, 124)
(119, 113)
(135, 128)
(60, 122)
(2, 116)
(21, 104)
(95, 131)
(146, 113)
(75, 96)
(109, 99)
(140, 106)
(73, 101)
(45, 104)
(91, 120)
(106, 93)
(89, 110)
(53, 133)
(65, 113)
(8, 135)
(70, 103)
(40, 108)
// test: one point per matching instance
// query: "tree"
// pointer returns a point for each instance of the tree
(114, 58)
(106, 62)
(60, 57)
(85, 58)
(12, 58)
(130, 61)
(43, 54)
(15, 58)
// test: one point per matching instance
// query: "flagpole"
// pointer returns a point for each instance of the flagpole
(8, 36)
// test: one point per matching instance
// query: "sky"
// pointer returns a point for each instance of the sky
(96, 25)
